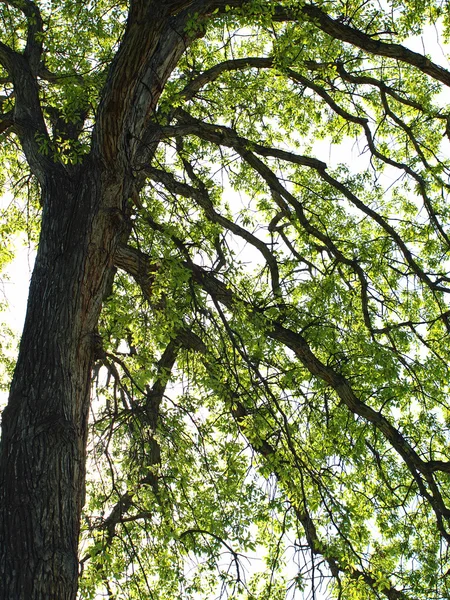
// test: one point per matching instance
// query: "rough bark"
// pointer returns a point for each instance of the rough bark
(44, 427)
(42, 459)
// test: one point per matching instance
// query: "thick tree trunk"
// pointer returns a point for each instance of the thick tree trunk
(42, 460)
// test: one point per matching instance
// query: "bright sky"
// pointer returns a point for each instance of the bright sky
(14, 285)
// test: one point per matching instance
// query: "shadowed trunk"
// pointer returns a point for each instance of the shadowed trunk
(44, 426)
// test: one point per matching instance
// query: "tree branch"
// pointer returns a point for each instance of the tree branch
(226, 136)
(317, 545)
(201, 196)
(28, 120)
(213, 73)
(33, 48)
(422, 471)
(152, 45)
(341, 31)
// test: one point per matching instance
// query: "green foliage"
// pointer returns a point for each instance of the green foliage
(270, 413)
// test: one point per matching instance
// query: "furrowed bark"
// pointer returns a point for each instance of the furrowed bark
(44, 427)
(42, 461)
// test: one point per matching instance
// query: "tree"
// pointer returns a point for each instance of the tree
(295, 406)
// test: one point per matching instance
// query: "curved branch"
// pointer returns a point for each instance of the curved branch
(201, 196)
(422, 471)
(210, 75)
(221, 135)
(298, 344)
(341, 31)
(233, 553)
(316, 544)
(151, 415)
(363, 122)
(381, 85)
(33, 47)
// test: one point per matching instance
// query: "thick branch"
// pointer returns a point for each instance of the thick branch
(33, 48)
(28, 121)
(421, 470)
(152, 45)
(341, 31)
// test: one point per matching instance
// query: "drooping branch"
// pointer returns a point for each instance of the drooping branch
(226, 136)
(135, 261)
(421, 470)
(148, 414)
(337, 29)
(363, 123)
(316, 543)
(298, 344)
(363, 79)
(201, 196)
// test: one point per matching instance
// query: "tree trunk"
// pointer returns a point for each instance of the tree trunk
(44, 427)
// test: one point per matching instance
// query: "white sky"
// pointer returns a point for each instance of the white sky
(14, 285)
